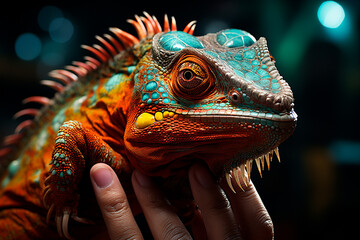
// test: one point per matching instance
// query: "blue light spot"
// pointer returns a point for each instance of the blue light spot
(46, 15)
(52, 54)
(61, 30)
(346, 152)
(166, 100)
(27, 46)
(331, 14)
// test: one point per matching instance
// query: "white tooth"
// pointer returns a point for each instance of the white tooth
(242, 171)
(237, 177)
(257, 160)
(271, 154)
(267, 158)
(276, 150)
(227, 176)
(248, 167)
(262, 162)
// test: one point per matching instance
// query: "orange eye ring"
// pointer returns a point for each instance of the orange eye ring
(192, 79)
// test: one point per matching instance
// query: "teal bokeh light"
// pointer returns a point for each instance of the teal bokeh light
(27, 46)
(47, 14)
(61, 30)
(331, 14)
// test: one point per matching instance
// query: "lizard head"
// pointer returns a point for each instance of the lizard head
(217, 98)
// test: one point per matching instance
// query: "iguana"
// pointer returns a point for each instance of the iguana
(158, 103)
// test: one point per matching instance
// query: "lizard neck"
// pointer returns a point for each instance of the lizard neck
(107, 108)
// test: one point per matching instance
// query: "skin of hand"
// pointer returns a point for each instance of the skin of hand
(222, 214)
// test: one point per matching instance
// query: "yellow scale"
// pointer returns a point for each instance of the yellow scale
(146, 119)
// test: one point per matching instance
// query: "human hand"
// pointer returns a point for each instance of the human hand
(220, 215)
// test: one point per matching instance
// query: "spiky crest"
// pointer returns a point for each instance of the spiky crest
(108, 47)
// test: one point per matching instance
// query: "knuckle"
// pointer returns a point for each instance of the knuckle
(173, 231)
(156, 201)
(234, 233)
(117, 206)
(268, 228)
(220, 205)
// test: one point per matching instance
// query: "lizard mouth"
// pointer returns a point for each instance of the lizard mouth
(166, 142)
(199, 120)
(242, 172)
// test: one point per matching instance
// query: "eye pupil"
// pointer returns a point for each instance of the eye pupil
(235, 97)
(188, 75)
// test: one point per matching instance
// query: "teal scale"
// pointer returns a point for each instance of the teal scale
(245, 62)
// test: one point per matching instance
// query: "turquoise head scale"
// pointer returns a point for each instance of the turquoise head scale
(241, 62)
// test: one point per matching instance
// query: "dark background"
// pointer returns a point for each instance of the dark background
(314, 192)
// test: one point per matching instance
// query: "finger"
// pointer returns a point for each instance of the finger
(250, 212)
(113, 203)
(215, 209)
(197, 227)
(163, 222)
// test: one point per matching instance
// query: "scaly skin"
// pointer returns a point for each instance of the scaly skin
(157, 104)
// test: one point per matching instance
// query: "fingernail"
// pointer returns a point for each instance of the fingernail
(203, 176)
(142, 179)
(102, 177)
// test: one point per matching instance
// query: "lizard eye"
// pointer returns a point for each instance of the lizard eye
(188, 75)
(192, 79)
(189, 80)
